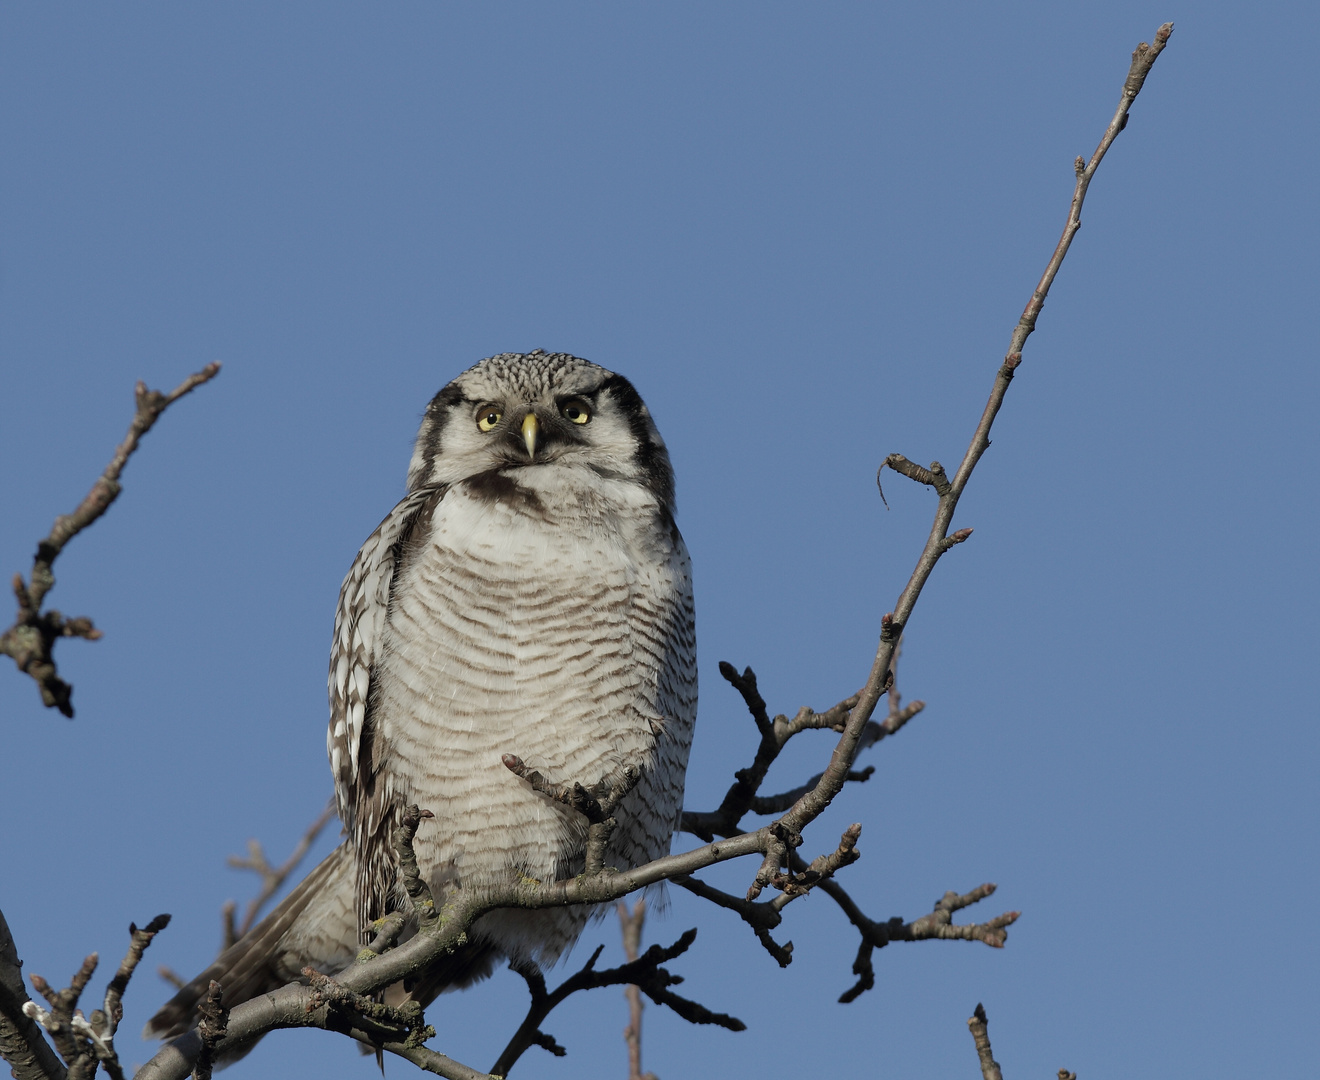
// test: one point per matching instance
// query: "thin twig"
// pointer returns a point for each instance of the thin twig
(978, 1026)
(630, 923)
(938, 924)
(272, 878)
(86, 1041)
(644, 972)
(211, 1027)
(30, 641)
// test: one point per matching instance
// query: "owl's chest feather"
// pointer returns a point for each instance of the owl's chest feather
(534, 624)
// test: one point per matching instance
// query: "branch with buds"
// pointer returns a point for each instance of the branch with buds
(30, 641)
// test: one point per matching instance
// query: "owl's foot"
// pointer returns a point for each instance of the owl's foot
(409, 873)
(596, 803)
(381, 1023)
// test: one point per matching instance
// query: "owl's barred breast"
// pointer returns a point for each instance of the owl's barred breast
(541, 618)
(529, 595)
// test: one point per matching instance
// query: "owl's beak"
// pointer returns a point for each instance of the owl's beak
(531, 433)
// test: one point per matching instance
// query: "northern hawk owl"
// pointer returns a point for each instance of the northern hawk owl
(530, 595)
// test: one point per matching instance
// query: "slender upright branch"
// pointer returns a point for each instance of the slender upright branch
(272, 877)
(31, 639)
(631, 923)
(979, 1027)
(813, 802)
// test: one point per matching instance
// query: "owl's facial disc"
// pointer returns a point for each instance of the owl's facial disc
(556, 415)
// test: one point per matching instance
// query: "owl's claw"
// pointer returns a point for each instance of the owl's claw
(596, 803)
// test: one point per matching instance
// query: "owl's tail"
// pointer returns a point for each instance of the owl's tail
(313, 926)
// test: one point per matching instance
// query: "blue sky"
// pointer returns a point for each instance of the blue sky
(805, 233)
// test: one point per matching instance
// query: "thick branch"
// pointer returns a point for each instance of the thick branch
(22, 1045)
(30, 640)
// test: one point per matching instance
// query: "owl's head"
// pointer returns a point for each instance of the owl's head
(540, 410)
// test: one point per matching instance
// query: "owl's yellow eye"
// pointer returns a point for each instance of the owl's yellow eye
(576, 411)
(488, 418)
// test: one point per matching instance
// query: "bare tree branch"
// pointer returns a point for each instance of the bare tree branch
(298, 1005)
(643, 972)
(811, 804)
(938, 924)
(631, 923)
(212, 1026)
(86, 1041)
(272, 878)
(21, 1043)
(30, 641)
(978, 1025)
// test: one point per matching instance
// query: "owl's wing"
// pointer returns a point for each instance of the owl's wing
(364, 601)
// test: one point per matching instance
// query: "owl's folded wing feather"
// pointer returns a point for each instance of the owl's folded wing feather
(364, 601)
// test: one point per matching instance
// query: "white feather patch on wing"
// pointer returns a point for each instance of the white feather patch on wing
(359, 628)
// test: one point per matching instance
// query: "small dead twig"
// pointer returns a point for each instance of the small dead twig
(30, 640)
(212, 1025)
(631, 922)
(84, 1042)
(978, 1025)
(933, 477)
(272, 877)
(645, 972)
(938, 924)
